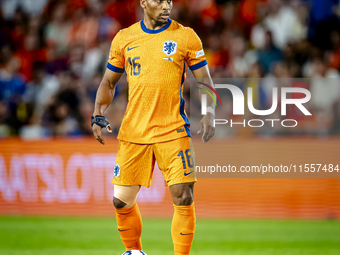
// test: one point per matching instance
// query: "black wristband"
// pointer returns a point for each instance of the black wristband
(100, 121)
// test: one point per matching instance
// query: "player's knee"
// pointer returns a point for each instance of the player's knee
(182, 194)
(185, 199)
(118, 203)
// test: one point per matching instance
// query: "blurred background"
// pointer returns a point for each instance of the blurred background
(53, 54)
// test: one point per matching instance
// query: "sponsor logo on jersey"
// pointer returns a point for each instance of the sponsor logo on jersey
(128, 49)
(169, 48)
(186, 174)
(116, 171)
(180, 130)
(199, 53)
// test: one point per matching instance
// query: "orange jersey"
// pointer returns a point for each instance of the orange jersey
(155, 64)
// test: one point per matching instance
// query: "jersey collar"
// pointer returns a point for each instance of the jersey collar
(149, 31)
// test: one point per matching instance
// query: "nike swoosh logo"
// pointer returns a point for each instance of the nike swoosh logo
(121, 230)
(186, 234)
(186, 174)
(132, 48)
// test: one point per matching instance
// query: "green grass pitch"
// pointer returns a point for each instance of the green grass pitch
(99, 236)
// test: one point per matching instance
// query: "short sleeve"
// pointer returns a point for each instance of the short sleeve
(116, 60)
(195, 54)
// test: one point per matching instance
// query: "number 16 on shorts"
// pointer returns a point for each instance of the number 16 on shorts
(187, 160)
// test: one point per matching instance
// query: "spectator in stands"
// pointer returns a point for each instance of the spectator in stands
(40, 90)
(57, 31)
(5, 129)
(31, 7)
(238, 65)
(270, 54)
(325, 91)
(334, 55)
(12, 88)
(29, 54)
(84, 28)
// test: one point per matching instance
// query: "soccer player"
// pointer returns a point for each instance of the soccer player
(154, 53)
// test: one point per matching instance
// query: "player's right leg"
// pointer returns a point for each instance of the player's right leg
(133, 169)
(129, 219)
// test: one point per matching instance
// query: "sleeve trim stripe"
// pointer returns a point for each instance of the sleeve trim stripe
(198, 65)
(114, 68)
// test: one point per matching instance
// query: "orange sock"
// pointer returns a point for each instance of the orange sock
(130, 226)
(183, 228)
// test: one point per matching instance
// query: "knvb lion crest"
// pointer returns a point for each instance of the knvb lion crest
(169, 48)
(116, 171)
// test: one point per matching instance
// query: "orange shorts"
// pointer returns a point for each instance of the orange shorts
(135, 162)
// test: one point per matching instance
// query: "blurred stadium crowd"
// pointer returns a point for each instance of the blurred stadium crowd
(53, 54)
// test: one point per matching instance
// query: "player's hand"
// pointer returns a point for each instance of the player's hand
(97, 131)
(207, 124)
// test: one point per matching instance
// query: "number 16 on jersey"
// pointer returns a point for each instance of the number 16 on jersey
(135, 66)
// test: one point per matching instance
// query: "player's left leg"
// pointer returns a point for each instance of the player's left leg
(176, 160)
(184, 219)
